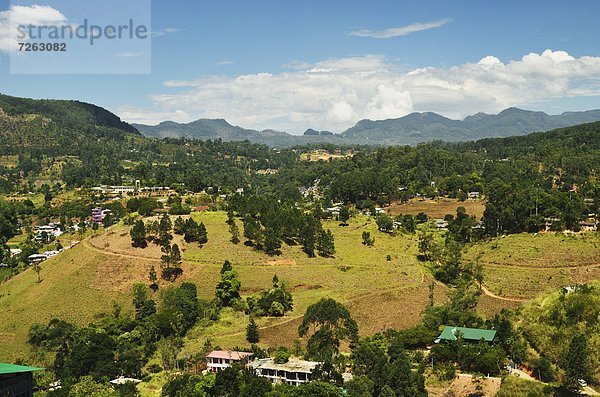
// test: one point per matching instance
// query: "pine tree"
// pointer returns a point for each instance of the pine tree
(179, 226)
(252, 333)
(190, 231)
(165, 224)
(577, 361)
(138, 234)
(202, 234)
(227, 267)
(272, 242)
(326, 245)
(235, 233)
(153, 277)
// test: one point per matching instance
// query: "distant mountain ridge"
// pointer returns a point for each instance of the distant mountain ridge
(411, 129)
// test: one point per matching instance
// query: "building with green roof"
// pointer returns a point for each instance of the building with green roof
(451, 333)
(16, 380)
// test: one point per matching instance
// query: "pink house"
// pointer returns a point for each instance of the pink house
(217, 360)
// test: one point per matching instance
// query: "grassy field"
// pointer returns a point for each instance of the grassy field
(9, 161)
(437, 208)
(525, 265)
(85, 280)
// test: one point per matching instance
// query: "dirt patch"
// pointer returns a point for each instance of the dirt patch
(489, 306)
(396, 309)
(281, 335)
(281, 262)
(119, 274)
(437, 208)
(7, 337)
(464, 386)
(304, 287)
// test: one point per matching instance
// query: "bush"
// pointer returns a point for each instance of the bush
(154, 368)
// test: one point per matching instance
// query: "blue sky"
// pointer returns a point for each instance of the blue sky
(291, 65)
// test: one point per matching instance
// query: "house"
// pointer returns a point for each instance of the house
(37, 258)
(294, 372)
(551, 223)
(334, 211)
(474, 195)
(441, 224)
(589, 226)
(15, 251)
(451, 333)
(121, 380)
(98, 214)
(47, 232)
(217, 360)
(16, 380)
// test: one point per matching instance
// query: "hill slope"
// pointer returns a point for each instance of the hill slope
(58, 125)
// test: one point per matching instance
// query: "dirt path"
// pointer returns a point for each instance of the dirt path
(531, 267)
(489, 293)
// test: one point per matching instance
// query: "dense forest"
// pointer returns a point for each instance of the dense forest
(526, 180)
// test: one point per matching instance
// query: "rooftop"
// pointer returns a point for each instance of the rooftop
(291, 366)
(13, 369)
(232, 355)
(450, 333)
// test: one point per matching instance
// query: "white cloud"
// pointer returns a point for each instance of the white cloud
(163, 32)
(224, 62)
(399, 31)
(334, 94)
(25, 15)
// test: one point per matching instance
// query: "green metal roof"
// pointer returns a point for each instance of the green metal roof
(13, 369)
(450, 333)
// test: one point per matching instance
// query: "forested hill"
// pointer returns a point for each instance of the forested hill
(57, 125)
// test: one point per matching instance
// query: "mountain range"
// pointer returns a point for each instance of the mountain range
(408, 130)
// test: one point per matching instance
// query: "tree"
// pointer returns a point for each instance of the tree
(387, 391)
(87, 387)
(252, 333)
(344, 215)
(171, 262)
(426, 246)
(326, 245)
(202, 234)
(385, 223)
(144, 307)
(191, 231)
(179, 226)
(138, 234)
(576, 362)
(38, 269)
(164, 225)
(227, 291)
(235, 232)
(272, 242)
(227, 267)
(152, 276)
(367, 239)
(331, 323)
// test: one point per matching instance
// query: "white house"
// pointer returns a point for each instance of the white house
(294, 372)
(217, 360)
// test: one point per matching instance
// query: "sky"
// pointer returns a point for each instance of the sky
(293, 65)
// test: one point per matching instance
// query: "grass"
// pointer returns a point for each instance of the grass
(83, 281)
(525, 265)
(437, 208)
(9, 161)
